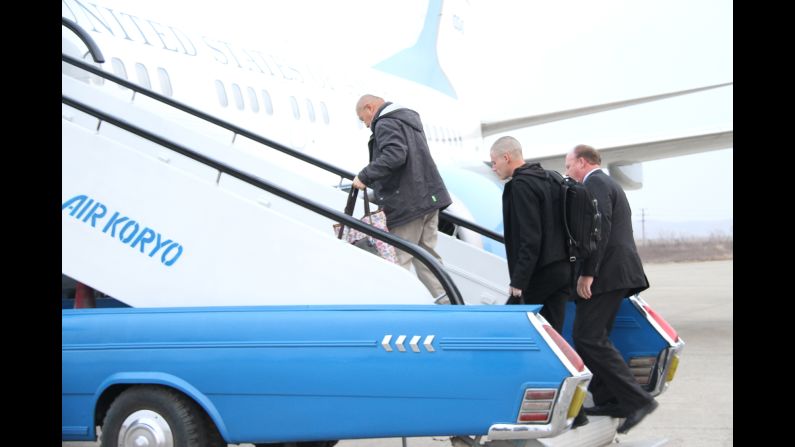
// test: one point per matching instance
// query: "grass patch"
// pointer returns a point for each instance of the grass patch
(672, 248)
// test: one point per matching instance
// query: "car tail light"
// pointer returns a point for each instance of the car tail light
(543, 395)
(641, 368)
(564, 346)
(661, 321)
(537, 405)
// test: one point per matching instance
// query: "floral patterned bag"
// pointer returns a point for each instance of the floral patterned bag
(361, 240)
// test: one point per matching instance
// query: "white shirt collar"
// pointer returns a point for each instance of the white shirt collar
(589, 173)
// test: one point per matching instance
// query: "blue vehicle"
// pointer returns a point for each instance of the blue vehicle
(275, 374)
(650, 346)
(244, 319)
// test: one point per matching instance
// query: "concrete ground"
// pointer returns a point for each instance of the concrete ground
(697, 300)
(697, 410)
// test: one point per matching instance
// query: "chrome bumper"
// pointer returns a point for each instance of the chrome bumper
(665, 359)
(558, 423)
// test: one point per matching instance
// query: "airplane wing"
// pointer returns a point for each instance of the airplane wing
(495, 127)
(620, 159)
(623, 162)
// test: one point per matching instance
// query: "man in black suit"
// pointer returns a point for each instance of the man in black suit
(535, 245)
(609, 275)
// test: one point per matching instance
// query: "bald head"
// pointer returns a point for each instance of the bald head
(367, 106)
(508, 145)
(368, 99)
(506, 156)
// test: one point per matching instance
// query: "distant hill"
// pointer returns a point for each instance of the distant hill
(659, 229)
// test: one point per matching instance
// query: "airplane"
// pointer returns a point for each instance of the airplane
(306, 106)
(309, 106)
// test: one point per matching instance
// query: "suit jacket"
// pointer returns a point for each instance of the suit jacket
(615, 264)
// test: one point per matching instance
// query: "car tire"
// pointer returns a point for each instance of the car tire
(158, 416)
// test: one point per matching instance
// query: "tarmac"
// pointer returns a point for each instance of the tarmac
(697, 409)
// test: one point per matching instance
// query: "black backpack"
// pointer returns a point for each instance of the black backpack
(581, 217)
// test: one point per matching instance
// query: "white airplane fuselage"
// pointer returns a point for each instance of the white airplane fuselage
(301, 104)
(311, 107)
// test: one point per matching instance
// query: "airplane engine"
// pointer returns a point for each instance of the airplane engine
(628, 175)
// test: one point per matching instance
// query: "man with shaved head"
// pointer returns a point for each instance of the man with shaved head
(405, 181)
(535, 244)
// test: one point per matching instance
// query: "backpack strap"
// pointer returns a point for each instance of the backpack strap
(564, 189)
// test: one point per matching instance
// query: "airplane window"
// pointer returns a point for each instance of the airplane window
(296, 110)
(252, 96)
(324, 112)
(119, 70)
(143, 75)
(267, 103)
(310, 109)
(221, 91)
(433, 133)
(165, 82)
(238, 96)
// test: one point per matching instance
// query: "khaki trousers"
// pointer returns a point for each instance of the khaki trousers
(423, 232)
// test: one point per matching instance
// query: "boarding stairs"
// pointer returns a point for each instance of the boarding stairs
(165, 206)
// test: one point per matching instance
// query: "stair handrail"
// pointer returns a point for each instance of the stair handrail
(418, 252)
(260, 139)
(93, 48)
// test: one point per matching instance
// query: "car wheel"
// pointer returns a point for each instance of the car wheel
(155, 417)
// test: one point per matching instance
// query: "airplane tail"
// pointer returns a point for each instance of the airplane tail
(441, 44)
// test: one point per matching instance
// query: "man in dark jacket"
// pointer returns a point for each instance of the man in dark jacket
(609, 275)
(535, 245)
(405, 181)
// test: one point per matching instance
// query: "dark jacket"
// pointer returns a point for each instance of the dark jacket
(615, 264)
(401, 172)
(533, 219)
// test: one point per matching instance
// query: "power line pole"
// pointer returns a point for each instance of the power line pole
(643, 224)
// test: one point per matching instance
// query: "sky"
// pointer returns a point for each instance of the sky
(557, 55)
(538, 56)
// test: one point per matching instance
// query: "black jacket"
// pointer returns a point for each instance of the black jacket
(615, 264)
(402, 172)
(533, 219)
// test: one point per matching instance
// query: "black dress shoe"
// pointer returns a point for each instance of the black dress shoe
(612, 410)
(580, 420)
(636, 416)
